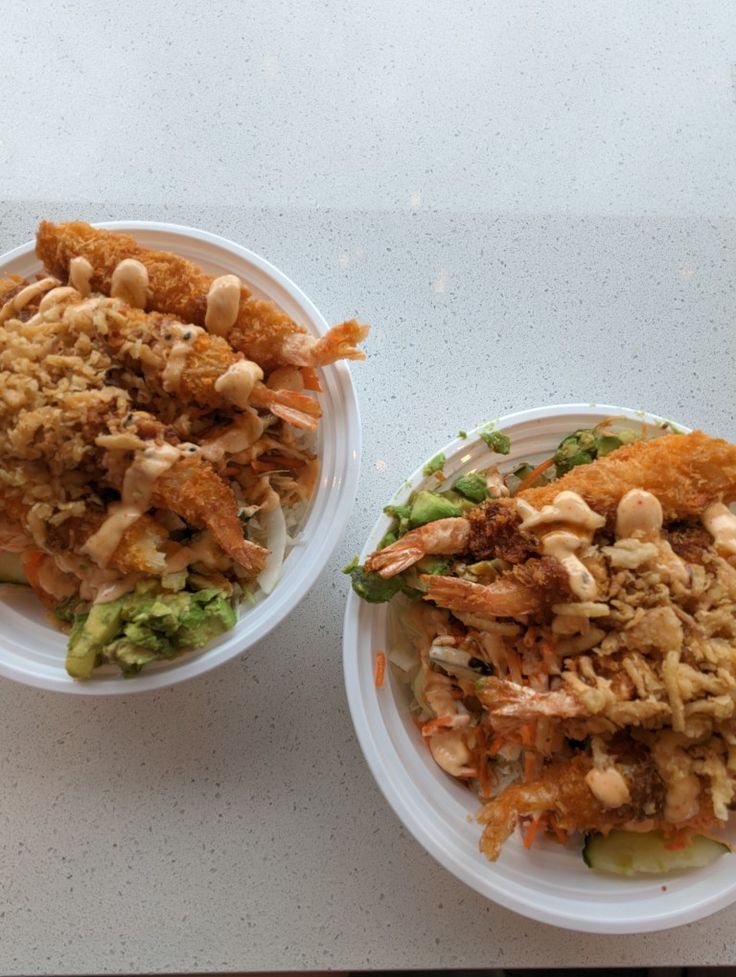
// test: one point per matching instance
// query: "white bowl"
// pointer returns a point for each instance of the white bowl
(33, 651)
(548, 883)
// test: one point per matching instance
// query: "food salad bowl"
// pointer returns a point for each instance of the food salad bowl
(547, 882)
(32, 650)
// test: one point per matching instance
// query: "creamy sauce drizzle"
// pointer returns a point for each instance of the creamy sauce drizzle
(177, 356)
(80, 275)
(237, 382)
(130, 283)
(563, 545)
(223, 302)
(240, 436)
(721, 524)
(56, 296)
(638, 513)
(568, 507)
(138, 484)
(580, 523)
(26, 295)
(107, 590)
(608, 786)
(639, 517)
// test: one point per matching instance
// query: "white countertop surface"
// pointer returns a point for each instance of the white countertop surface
(531, 203)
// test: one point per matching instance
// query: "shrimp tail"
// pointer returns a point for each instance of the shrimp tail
(442, 537)
(501, 816)
(298, 409)
(397, 557)
(339, 343)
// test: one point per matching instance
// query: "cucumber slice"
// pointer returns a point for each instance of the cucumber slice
(11, 570)
(631, 853)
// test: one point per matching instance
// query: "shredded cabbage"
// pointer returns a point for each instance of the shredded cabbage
(274, 526)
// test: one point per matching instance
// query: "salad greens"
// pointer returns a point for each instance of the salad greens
(497, 441)
(424, 506)
(435, 465)
(585, 445)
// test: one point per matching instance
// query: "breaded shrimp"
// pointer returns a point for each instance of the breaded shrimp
(192, 364)
(686, 472)
(261, 331)
(562, 790)
(137, 552)
(194, 491)
(177, 286)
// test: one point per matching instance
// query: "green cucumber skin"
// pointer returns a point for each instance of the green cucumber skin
(630, 853)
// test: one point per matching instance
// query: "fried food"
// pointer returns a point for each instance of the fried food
(261, 331)
(686, 472)
(146, 463)
(583, 635)
(563, 796)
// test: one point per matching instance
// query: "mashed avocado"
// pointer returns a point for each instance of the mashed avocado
(146, 625)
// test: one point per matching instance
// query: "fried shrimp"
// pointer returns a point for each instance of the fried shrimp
(199, 368)
(563, 791)
(261, 331)
(192, 490)
(155, 453)
(441, 537)
(507, 597)
(686, 472)
(583, 633)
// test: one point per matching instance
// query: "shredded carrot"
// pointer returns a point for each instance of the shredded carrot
(380, 669)
(433, 726)
(534, 475)
(549, 657)
(484, 777)
(560, 834)
(496, 745)
(528, 733)
(311, 379)
(32, 562)
(531, 832)
(514, 663)
(530, 767)
(677, 841)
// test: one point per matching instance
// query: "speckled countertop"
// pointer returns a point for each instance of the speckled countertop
(532, 203)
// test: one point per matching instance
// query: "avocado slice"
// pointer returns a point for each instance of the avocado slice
(90, 633)
(429, 506)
